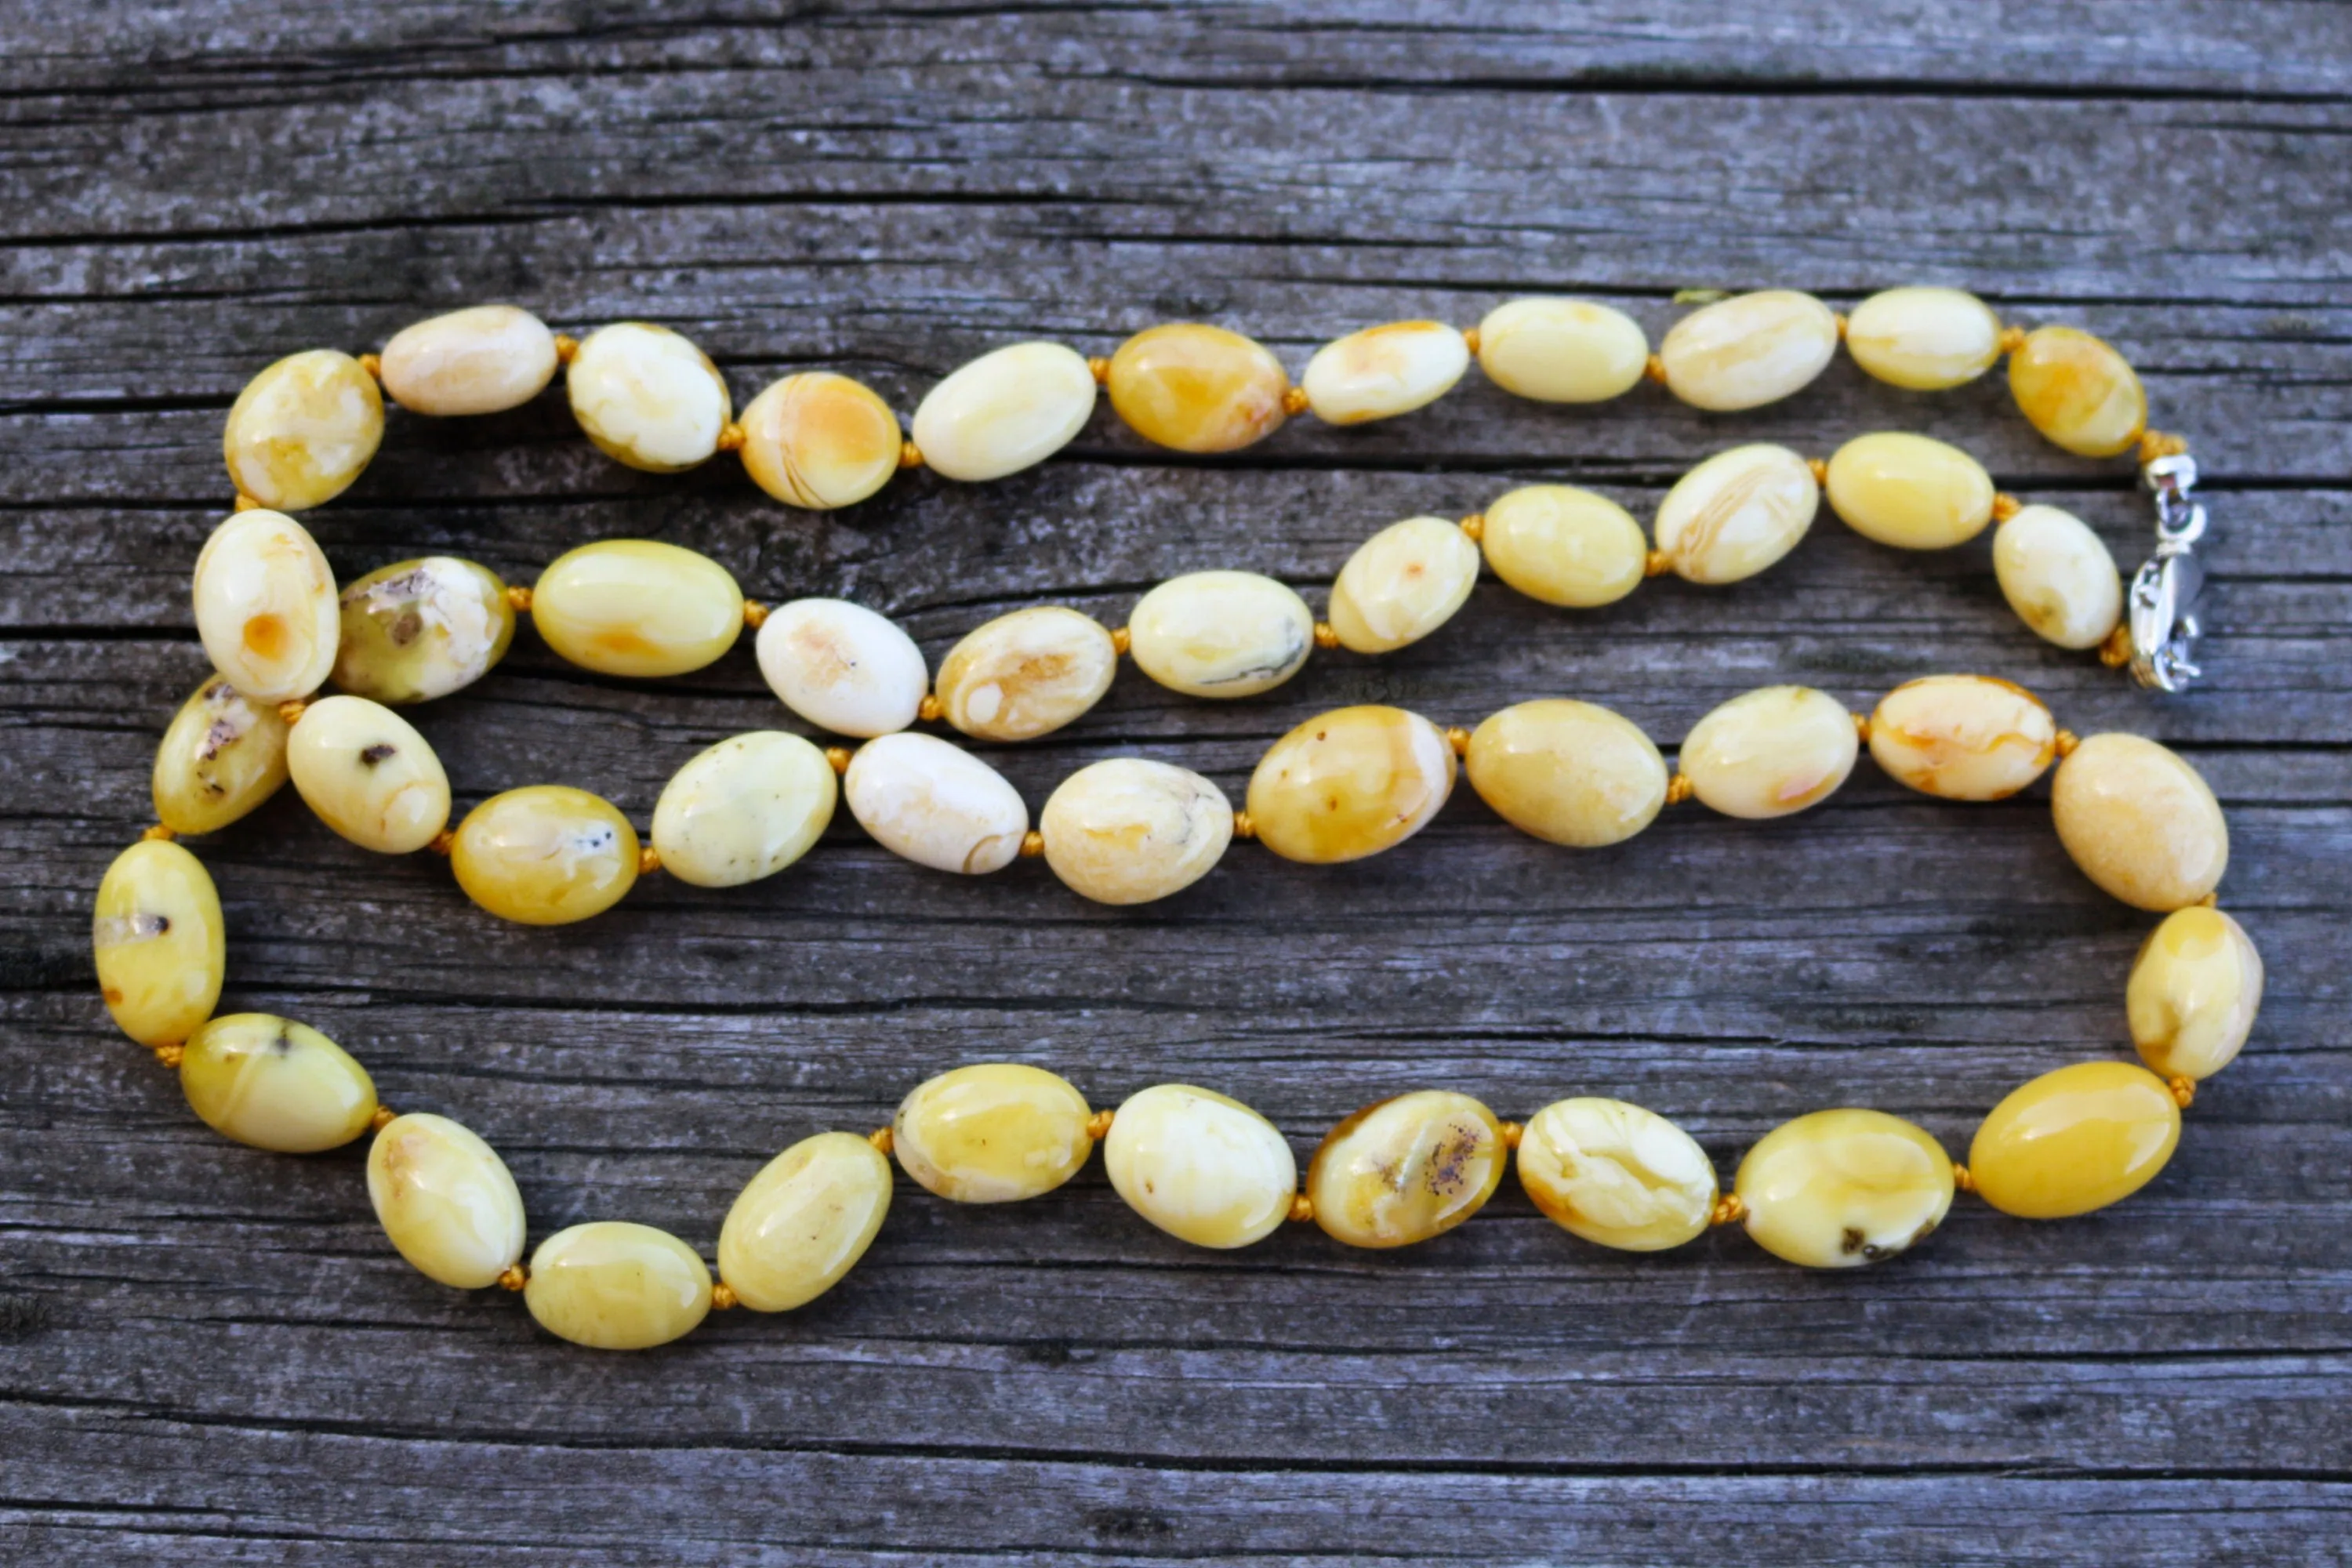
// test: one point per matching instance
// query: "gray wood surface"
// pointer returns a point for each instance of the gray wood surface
(208, 1353)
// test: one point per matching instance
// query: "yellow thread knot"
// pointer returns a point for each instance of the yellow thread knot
(1099, 368)
(1324, 636)
(838, 757)
(1470, 338)
(1033, 844)
(245, 503)
(566, 346)
(722, 1296)
(2209, 901)
(442, 843)
(1657, 563)
(1245, 825)
(1730, 1209)
(1839, 317)
(2011, 339)
(1302, 1208)
(1862, 728)
(2184, 1091)
(1679, 789)
(909, 455)
(2065, 741)
(384, 1117)
(1098, 1125)
(2155, 444)
(2005, 506)
(158, 834)
(292, 711)
(515, 1277)
(755, 614)
(518, 599)
(1820, 469)
(1474, 525)
(1294, 402)
(2116, 651)
(1459, 739)
(730, 437)
(1121, 640)
(169, 1054)
(1512, 1134)
(648, 860)
(372, 365)
(883, 1140)
(1961, 1180)
(1655, 369)
(928, 709)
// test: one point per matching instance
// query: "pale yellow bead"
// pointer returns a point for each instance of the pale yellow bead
(1197, 388)
(2194, 991)
(1402, 584)
(1924, 339)
(637, 607)
(275, 1084)
(2078, 392)
(1382, 372)
(1203, 1167)
(803, 1222)
(445, 1200)
(647, 398)
(843, 667)
(1026, 674)
(303, 430)
(1127, 830)
(266, 606)
(482, 360)
(995, 1133)
(820, 440)
(1963, 737)
(1569, 772)
(1841, 1188)
(1221, 634)
(1616, 1175)
(2075, 1140)
(2140, 822)
(615, 1286)
(935, 805)
(1561, 351)
(545, 854)
(743, 810)
(1563, 545)
(1736, 514)
(222, 755)
(420, 629)
(1909, 491)
(1748, 350)
(1769, 751)
(368, 774)
(1349, 783)
(1004, 412)
(1407, 1169)
(160, 945)
(2058, 576)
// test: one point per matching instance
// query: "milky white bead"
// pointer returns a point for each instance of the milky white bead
(820, 440)
(478, 361)
(938, 806)
(1127, 830)
(2058, 576)
(614, 1286)
(420, 629)
(1841, 1188)
(1382, 372)
(1924, 339)
(2194, 991)
(1026, 674)
(1749, 349)
(1561, 351)
(995, 1132)
(1736, 514)
(1963, 737)
(1402, 584)
(1203, 1167)
(843, 667)
(1770, 751)
(223, 755)
(1909, 491)
(275, 1084)
(1617, 1174)
(1004, 412)
(744, 809)
(1568, 773)
(303, 430)
(647, 398)
(637, 607)
(368, 774)
(803, 1221)
(156, 933)
(1221, 634)
(266, 606)
(1563, 545)
(2140, 822)
(445, 1200)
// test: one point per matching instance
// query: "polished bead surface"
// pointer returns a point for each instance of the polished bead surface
(637, 607)
(545, 854)
(803, 1222)
(2075, 1140)
(1563, 545)
(1748, 350)
(1203, 1167)
(2058, 576)
(1841, 1188)
(303, 430)
(647, 398)
(266, 606)
(2140, 822)
(2194, 991)
(1909, 491)
(1561, 351)
(1004, 412)
(743, 810)
(1569, 772)
(1026, 674)
(420, 629)
(995, 1133)
(1769, 751)
(1402, 584)
(445, 1200)
(1197, 388)
(1736, 514)
(1129, 830)
(2078, 392)
(1221, 634)
(843, 667)
(1963, 737)
(275, 1084)
(1382, 372)
(935, 803)
(1407, 1169)
(1616, 1175)
(1349, 783)
(222, 755)
(157, 935)
(819, 440)
(1924, 339)
(615, 1286)
(368, 774)
(482, 360)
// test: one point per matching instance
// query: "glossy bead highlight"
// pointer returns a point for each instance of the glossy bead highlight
(1221, 634)
(743, 810)
(1201, 1166)
(275, 1084)
(2075, 1140)
(1129, 830)
(368, 774)
(265, 607)
(1196, 388)
(992, 1133)
(420, 629)
(1736, 514)
(1026, 674)
(445, 1200)
(637, 607)
(614, 1286)
(803, 1223)
(1749, 349)
(1568, 773)
(1402, 584)
(2078, 392)
(647, 398)
(1770, 751)
(302, 430)
(1963, 737)
(545, 854)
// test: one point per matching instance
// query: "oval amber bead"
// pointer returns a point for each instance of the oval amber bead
(1736, 514)
(803, 1222)
(1004, 412)
(2194, 991)
(1616, 1175)
(1749, 349)
(157, 935)
(614, 1286)
(1197, 388)
(1203, 1167)
(819, 440)
(1561, 351)
(1026, 674)
(1568, 773)
(647, 398)
(1963, 737)
(1221, 634)
(266, 606)
(275, 1084)
(637, 607)
(2078, 392)
(843, 667)
(303, 430)
(1839, 1188)
(1563, 545)
(1770, 751)
(743, 810)
(1127, 830)
(445, 1200)
(368, 774)
(545, 854)
(1402, 584)
(224, 754)
(996, 1133)
(2075, 1140)
(1909, 491)
(2058, 576)
(482, 360)
(1924, 339)
(1382, 372)
(1349, 783)
(420, 629)
(1407, 1169)
(935, 805)
(2139, 822)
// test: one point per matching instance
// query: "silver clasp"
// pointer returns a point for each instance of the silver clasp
(2163, 598)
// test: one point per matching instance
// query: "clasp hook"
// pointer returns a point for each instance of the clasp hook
(2162, 602)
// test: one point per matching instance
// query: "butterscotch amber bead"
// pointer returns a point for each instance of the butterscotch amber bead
(743, 810)
(1197, 388)
(275, 1084)
(445, 1200)
(1221, 634)
(545, 854)
(1924, 339)
(803, 1222)
(2075, 1140)
(1407, 1169)
(1561, 351)
(303, 430)
(2078, 392)
(1770, 751)
(819, 440)
(637, 607)
(1129, 830)
(1004, 412)
(224, 754)
(1748, 350)
(991, 1133)
(1349, 783)
(1963, 737)
(1568, 773)
(1203, 1167)
(157, 935)
(1382, 372)
(1616, 1175)
(369, 775)
(1402, 584)
(1839, 1188)
(614, 1286)
(265, 606)
(1736, 514)
(1909, 491)
(2139, 822)
(2194, 991)
(1563, 545)
(420, 629)
(482, 360)
(2058, 576)
(1026, 674)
